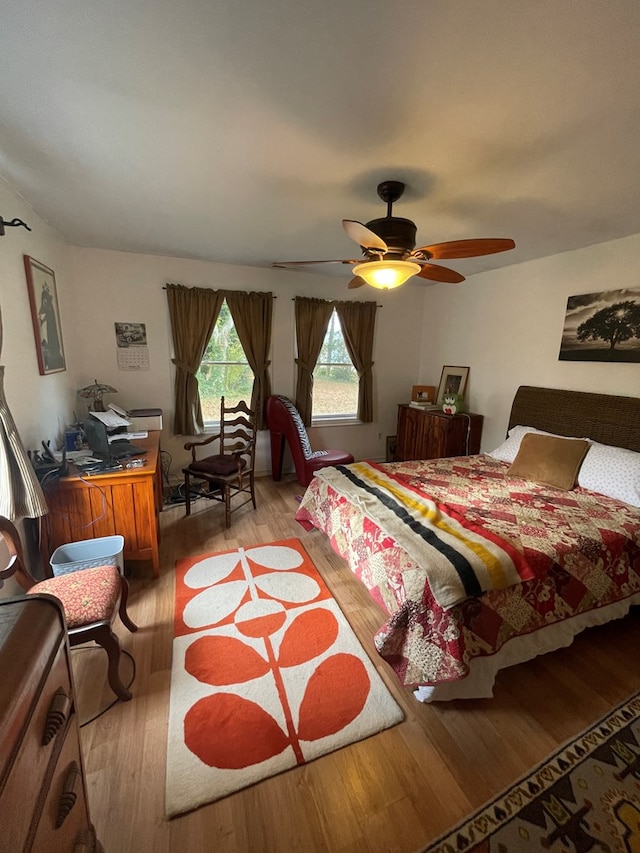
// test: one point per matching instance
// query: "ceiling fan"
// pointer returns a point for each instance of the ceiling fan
(389, 254)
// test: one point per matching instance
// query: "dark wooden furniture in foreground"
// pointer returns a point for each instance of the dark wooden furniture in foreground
(43, 797)
(125, 502)
(229, 473)
(430, 434)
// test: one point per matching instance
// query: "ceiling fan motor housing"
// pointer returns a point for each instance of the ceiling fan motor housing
(399, 234)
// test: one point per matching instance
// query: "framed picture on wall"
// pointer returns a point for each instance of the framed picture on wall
(452, 381)
(45, 316)
(602, 326)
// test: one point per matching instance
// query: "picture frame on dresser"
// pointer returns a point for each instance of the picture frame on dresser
(423, 394)
(452, 381)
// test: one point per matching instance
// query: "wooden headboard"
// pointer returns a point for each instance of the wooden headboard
(601, 417)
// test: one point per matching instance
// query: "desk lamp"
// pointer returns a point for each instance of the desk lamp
(94, 392)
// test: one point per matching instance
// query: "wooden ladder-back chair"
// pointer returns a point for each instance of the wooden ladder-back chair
(285, 423)
(230, 472)
(91, 600)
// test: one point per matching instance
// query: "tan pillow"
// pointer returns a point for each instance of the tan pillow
(549, 460)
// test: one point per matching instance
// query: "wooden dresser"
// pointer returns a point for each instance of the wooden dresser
(43, 800)
(431, 434)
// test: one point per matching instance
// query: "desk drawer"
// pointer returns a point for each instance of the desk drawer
(64, 817)
(19, 796)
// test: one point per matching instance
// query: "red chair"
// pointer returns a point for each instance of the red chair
(284, 422)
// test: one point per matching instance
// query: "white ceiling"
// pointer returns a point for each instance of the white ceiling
(243, 131)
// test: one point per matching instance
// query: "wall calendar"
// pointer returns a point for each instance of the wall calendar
(132, 348)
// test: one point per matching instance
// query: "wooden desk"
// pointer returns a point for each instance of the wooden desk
(125, 502)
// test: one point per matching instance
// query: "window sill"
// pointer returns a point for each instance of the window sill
(335, 420)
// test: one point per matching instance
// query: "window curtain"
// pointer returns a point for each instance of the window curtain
(21, 495)
(193, 312)
(312, 320)
(251, 314)
(357, 320)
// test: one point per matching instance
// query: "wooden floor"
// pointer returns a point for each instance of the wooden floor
(394, 791)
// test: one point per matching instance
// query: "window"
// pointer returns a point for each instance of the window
(224, 370)
(335, 379)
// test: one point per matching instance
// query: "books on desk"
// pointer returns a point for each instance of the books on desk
(429, 406)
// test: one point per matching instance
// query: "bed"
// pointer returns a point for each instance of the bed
(479, 567)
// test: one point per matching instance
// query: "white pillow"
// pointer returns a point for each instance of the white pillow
(611, 471)
(607, 470)
(508, 450)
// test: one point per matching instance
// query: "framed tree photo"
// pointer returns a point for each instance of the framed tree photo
(602, 326)
(45, 316)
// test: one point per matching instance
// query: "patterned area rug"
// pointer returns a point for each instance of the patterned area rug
(586, 796)
(267, 673)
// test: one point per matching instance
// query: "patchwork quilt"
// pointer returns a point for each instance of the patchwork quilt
(560, 553)
(461, 557)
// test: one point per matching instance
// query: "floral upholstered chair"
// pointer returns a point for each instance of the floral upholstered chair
(91, 600)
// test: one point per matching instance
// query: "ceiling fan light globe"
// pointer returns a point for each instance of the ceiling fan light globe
(385, 275)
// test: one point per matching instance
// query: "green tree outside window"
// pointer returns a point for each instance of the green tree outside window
(335, 380)
(224, 370)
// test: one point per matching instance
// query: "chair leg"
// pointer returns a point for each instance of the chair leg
(252, 489)
(227, 504)
(109, 642)
(122, 610)
(187, 490)
(277, 454)
(295, 447)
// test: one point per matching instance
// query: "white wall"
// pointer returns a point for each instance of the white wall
(507, 326)
(120, 287)
(39, 404)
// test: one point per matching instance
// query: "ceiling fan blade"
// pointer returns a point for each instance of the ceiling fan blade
(436, 273)
(467, 248)
(356, 282)
(286, 264)
(363, 236)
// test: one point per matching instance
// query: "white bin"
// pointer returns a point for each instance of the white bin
(104, 551)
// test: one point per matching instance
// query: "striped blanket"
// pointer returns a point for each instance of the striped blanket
(460, 558)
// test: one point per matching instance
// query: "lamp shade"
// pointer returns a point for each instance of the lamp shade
(386, 274)
(95, 393)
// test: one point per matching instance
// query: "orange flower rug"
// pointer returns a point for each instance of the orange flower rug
(267, 673)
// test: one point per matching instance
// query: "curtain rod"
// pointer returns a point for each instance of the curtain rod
(293, 299)
(226, 288)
